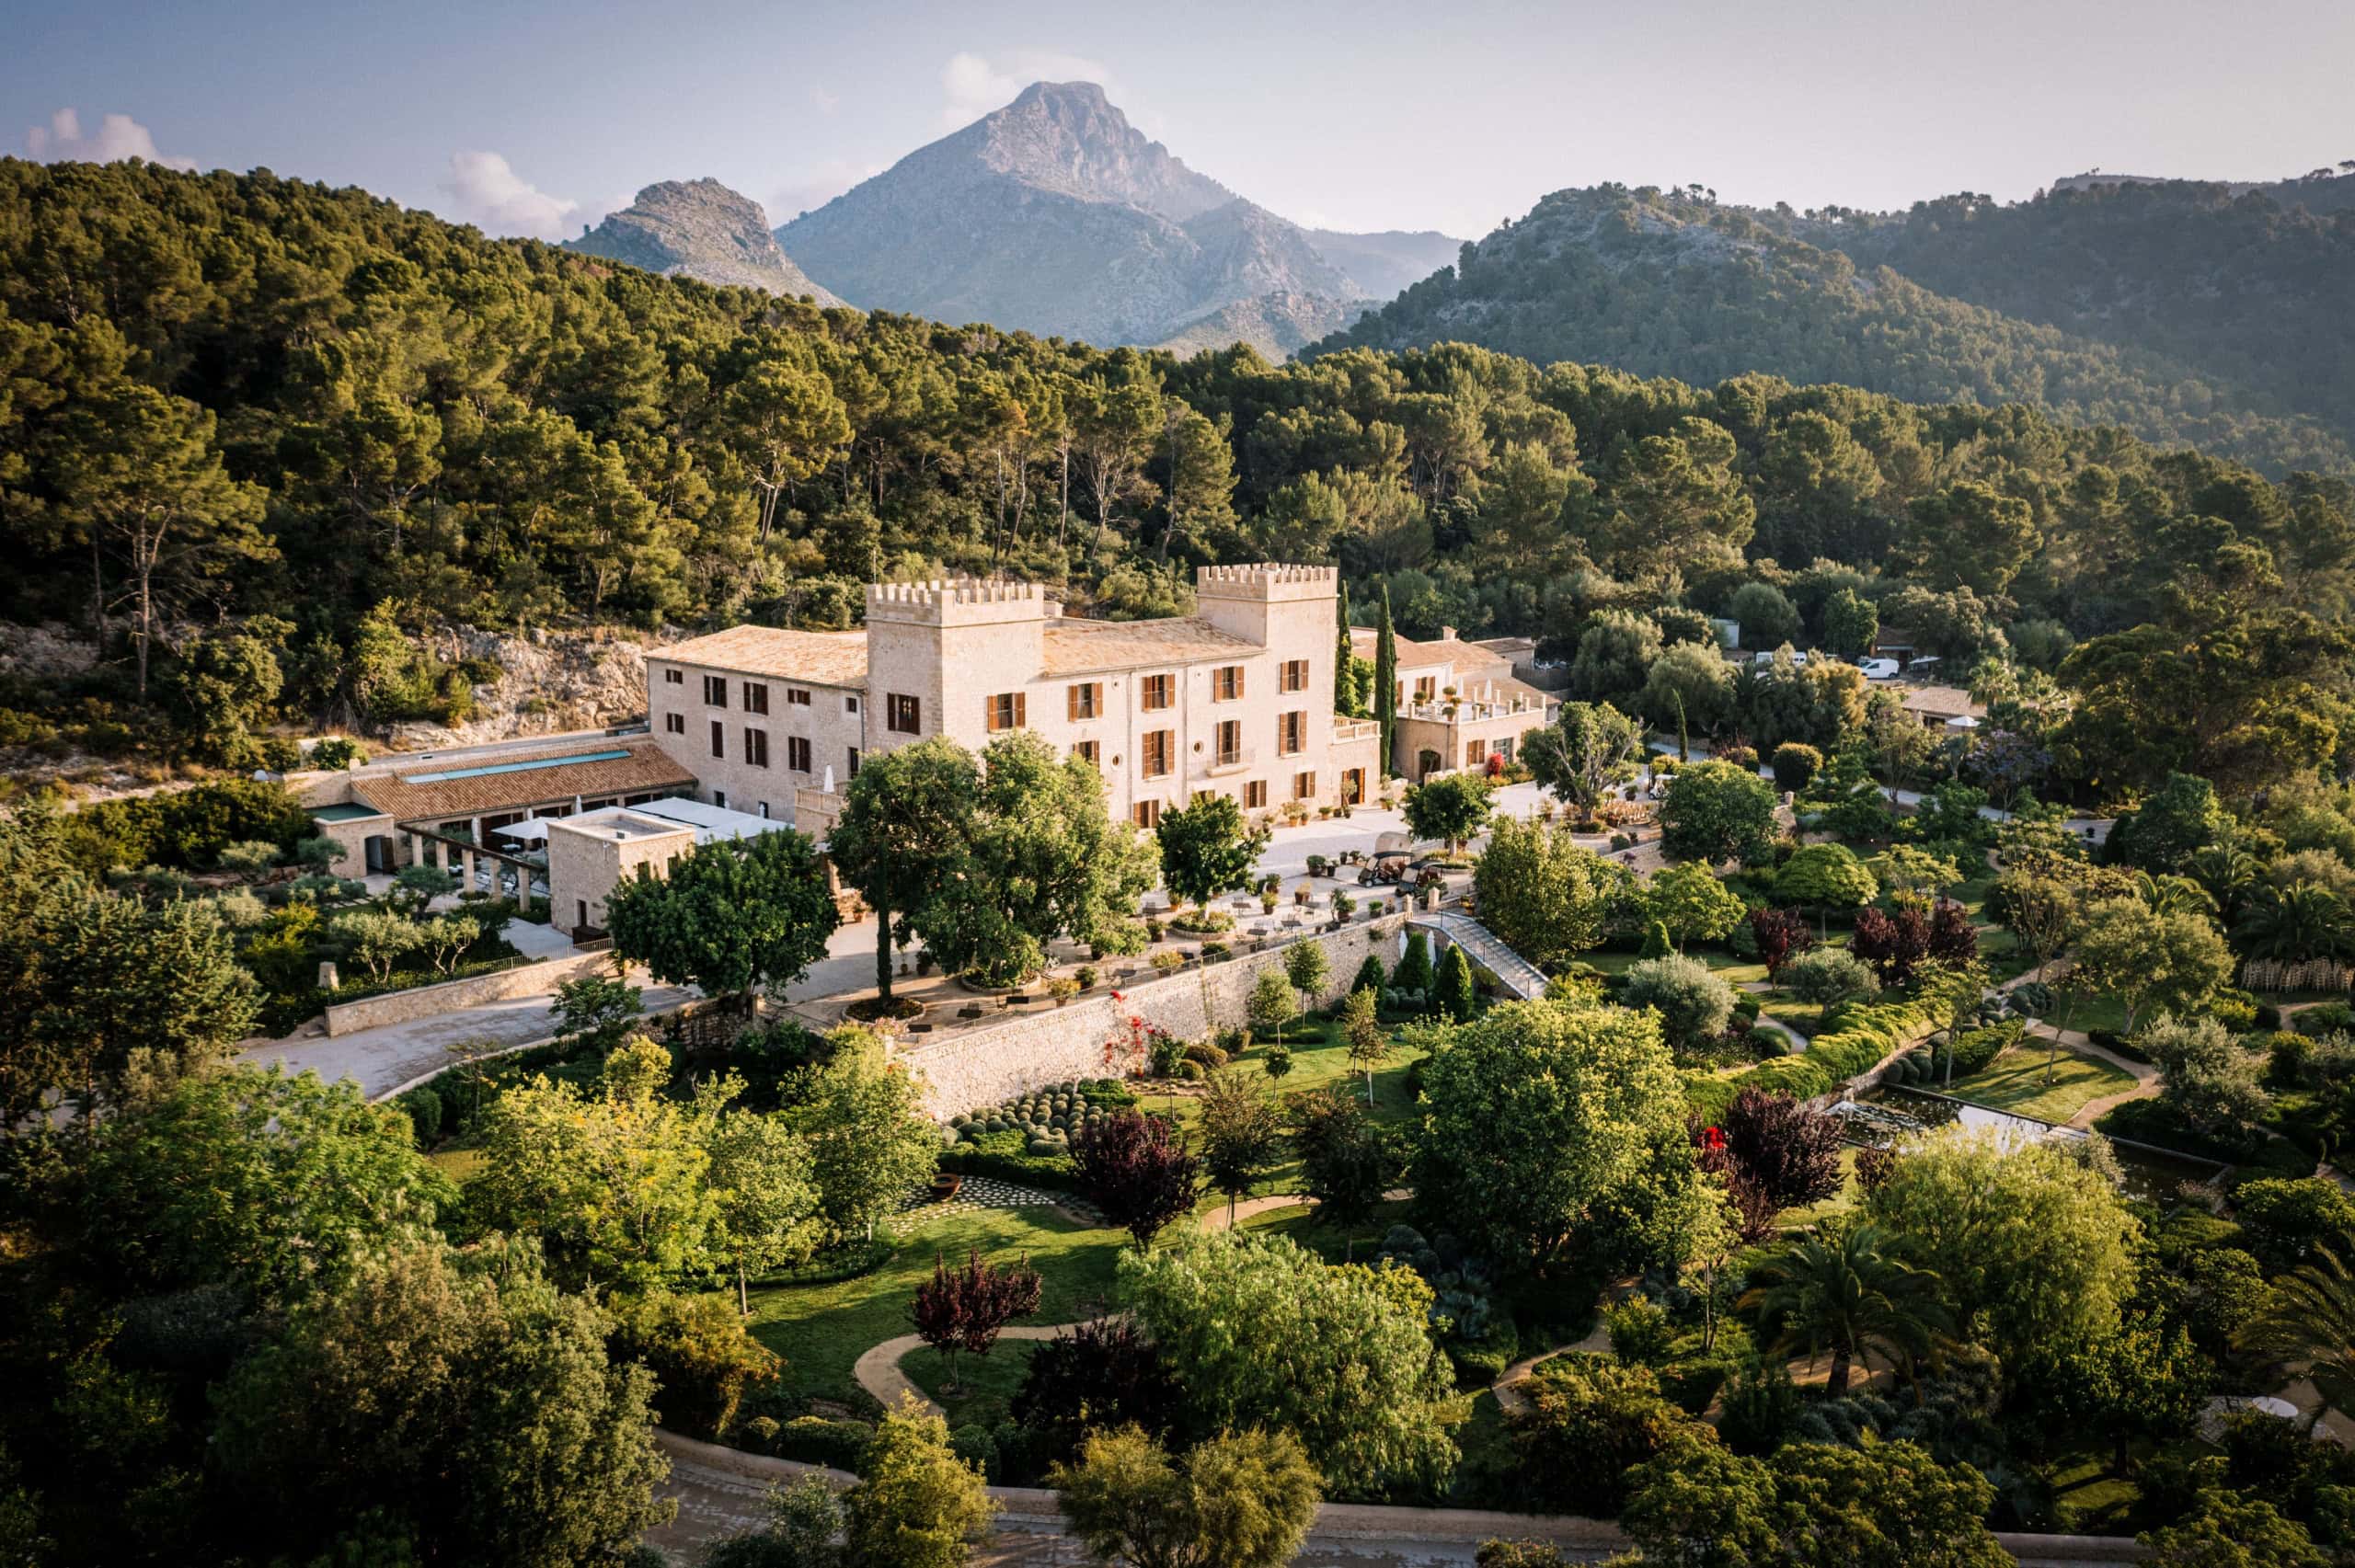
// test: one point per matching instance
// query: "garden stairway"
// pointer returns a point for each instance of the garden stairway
(1485, 948)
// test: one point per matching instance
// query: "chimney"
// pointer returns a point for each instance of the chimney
(1447, 634)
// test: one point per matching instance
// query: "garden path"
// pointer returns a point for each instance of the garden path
(878, 1372)
(1767, 1020)
(2146, 1076)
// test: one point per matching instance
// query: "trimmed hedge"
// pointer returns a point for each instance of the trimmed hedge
(1975, 1048)
(1864, 1035)
(2160, 1125)
(1003, 1155)
(814, 1441)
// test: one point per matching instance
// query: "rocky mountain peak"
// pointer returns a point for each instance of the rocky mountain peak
(702, 229)
(1069, 138)
(1055, 216)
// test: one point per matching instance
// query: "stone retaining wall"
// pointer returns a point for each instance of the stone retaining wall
(1036, 1510)
(982, 1067)
(428, 1001)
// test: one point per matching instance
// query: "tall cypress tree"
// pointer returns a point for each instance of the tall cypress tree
(1385, 679)
(1345, 689)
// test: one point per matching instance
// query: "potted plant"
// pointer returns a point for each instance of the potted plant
(1267, 900)
(1063, 989)
(1301, 896)
(1085, 976)
(1318, 865)
(1343, 905)
(1168, 961)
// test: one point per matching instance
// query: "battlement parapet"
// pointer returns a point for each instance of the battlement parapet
(1267, 580)
(957, 602)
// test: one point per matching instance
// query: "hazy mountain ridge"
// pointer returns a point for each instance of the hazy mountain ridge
(1389, 261)
(2245, 283)
(1289, 322)
(2319, 191)
(1668, 284)
(1055, 216)
(700, 228)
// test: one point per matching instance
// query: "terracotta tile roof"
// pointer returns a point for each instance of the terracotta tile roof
(432, 791)
(823, 659)
(1936, 700)
(1471, 659)
(1072, 646)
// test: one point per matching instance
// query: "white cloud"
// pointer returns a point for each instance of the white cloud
(118, 137)
(827, 102)
(496, 199)
(975, 85)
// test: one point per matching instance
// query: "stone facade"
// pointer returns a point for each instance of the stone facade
(1459, 704)
(983, 1067)
(452, 996)
(753, 722)
(353, 826)
(1234, 700)
(588, 859)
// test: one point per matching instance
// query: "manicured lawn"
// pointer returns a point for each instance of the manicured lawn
(459, 1164)
(2089, 1496)
(985, 1383)
(1806, 1017)
(2090, 1014)
(1300, 1226)
(822, 1330)
(1320, 1060)
(2015, 1081)
(1837, 1204)
(1735, 972)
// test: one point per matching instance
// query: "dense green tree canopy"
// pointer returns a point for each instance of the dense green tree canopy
(1542, 1117)
(496, 1429)
(730, 915)
(446, 426)
(1332, 1356)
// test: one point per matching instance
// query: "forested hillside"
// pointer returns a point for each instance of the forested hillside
(2244, 290)
(1670, 283)
(259, 434)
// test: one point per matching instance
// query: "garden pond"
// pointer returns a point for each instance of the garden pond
(1883, 1113)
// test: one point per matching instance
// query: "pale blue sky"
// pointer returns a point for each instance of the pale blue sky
(533, 118)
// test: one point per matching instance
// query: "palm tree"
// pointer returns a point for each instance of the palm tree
(2228, 876)
(2308, 1326)
(2168, 894)
(1841, 1289)
(2294, 923)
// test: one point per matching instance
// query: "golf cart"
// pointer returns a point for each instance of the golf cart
(1392, 854)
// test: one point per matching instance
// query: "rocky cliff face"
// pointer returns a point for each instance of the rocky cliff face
(699, 228)
(1057, 216)
(548, 682)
